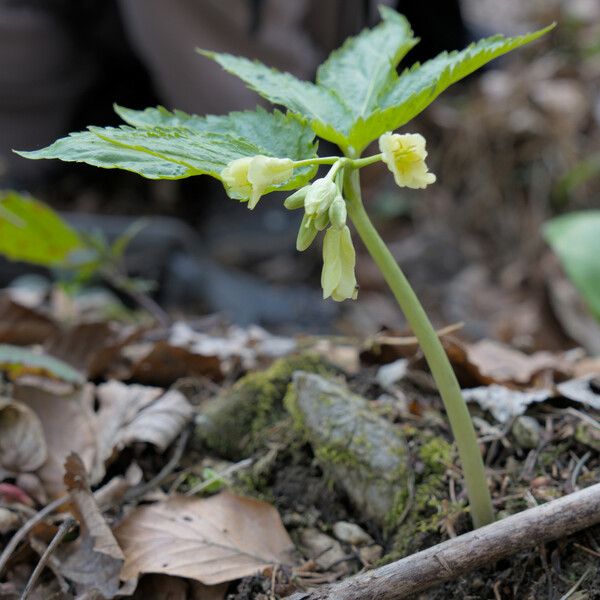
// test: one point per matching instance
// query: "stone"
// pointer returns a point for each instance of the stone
(527, 432)
(369, 555)
(323, 549)
(351, 534)
(361, 452)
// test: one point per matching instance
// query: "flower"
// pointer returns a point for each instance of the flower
(319, 196)
(337, 278)
(338, 212)
(248, 178)
(405, 154)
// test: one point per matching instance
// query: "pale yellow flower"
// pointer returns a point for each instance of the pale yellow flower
(319, 196)
(405, 154)
(248, 178)
(337, 278)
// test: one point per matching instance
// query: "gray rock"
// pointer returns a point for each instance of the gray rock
(351, 533)
(527, 432)
(324, 550)
(363, 453)
(369, 555)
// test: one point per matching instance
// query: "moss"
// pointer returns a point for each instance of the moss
(428, 506)
(236, 423)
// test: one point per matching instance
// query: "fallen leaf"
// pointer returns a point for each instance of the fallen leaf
(492, 362)
(22, 325)
(20, 361)
(94, 560)
(177, 588)
(9, 520)
(503, 402)
(92, 348)
(137, 413)
(161, 363)
(211, 540)
(69, 426)
(22, 442)
(583, 390)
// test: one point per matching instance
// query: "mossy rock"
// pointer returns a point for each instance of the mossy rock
(233, 425)
(361, 452)
(428, 506)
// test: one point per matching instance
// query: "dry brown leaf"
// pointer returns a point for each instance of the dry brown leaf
(22, 325)
(94, 560)
(137, 413)
(161, 364)
(92, 348)
(492, 362)
(68, 422)
(22, 442)
(177, 588)
(214, 540)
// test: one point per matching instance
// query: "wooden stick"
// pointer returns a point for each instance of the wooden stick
(460, 555)
(56, 540)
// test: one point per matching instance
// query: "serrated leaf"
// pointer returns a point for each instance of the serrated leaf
(329, 117)
(201, 153)
(276, 134)
(417, 87)
(31, 231)
(166, 145)
(20, 361)
(575, 238)
(360, 69)
(86, 147)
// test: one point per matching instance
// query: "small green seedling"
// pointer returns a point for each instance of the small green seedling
(30, 231)
(575, 238)
(358, 98)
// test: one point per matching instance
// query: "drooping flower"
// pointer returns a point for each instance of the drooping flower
(405, 154)
(337, 278)
(248, 178)
(338, 212)
(319, 196)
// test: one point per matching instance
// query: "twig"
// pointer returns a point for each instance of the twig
(412, 340)
(577, 584)
(577, 470)
(21, 533)
(54, 542)
(463, 554)
(144, 488)
(246, 462)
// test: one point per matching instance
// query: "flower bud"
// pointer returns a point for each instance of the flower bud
(337, 212)
(306, 233)
(321, 221)
(248, 178)
(319, 196)
(296, 200)
(339, 258)
(405, 157)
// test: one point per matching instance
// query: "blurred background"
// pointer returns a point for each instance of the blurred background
(511, 146)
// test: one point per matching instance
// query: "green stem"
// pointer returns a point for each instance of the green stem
(324, 160)
(460, 420)
(359, 163)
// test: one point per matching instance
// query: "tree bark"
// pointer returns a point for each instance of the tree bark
(460, 555)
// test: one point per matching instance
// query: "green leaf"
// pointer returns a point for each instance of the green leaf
(329, 117)
(86, 147)
(366, 64)
(165, 145)
(20, 361)
(276, 134)
(31, 231)
(406, 96)
(575, 238)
